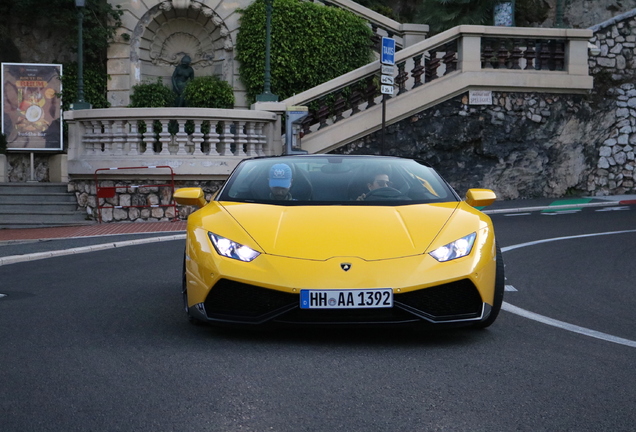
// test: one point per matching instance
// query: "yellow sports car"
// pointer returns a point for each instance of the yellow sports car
(340, 240)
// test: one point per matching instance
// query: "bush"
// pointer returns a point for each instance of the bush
(310, 45)
(151, 95)
(95, 79)
(208, 92)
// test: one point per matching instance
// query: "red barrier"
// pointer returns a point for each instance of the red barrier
(104, 192)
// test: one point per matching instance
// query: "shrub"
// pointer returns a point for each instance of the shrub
(208, 92)
(151, 95)
(310, 44)
(95, 79)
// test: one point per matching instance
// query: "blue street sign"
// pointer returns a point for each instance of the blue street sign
(387, 55)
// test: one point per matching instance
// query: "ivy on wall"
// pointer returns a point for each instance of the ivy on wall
(310, 44)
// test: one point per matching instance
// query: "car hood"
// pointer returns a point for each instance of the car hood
(323, 232)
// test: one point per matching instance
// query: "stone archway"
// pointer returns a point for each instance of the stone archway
(162, 35)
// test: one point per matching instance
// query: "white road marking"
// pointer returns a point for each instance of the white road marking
(12, 259)
(517, 214)
(509, 288)
(566, 326)
(606, 209)
(561, 324)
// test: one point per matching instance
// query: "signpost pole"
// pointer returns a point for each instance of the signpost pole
(387, 58)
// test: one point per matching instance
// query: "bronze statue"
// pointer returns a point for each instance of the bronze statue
(180, 77)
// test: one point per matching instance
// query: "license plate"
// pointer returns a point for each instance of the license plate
(346, 299)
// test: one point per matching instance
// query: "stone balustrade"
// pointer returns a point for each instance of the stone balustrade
(197, 142)
(460, 59)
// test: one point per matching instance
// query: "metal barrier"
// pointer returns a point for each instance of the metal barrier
(105, 192)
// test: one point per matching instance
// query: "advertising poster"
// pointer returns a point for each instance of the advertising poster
(31, 106)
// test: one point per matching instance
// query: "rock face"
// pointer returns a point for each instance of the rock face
(528, 145)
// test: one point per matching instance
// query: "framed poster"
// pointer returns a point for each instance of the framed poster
(32, 107)
(504, 13)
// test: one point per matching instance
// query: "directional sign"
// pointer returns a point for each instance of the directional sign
(386, 79)
(386, 89)
(387, 70)
(387, 55)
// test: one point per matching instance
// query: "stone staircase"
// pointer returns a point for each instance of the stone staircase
(37, 205)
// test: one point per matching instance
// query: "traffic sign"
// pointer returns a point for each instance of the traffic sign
(386, 89)
(386, 79)
(387, 55)
(387, 69)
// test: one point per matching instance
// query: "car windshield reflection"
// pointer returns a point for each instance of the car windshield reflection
(335, 180)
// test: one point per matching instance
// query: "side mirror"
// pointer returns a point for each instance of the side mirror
(480, 197)
(190, 197)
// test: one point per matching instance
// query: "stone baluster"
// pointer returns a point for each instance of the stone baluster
(91, 138)
(181, 138)
(133, 138)
(559, 55)
(431, 65)
(252, 139)
(307, 122)
(213, 138)
(164, 137)
(323, 113)
(502, 55)
(355, 98)
(197, 138)
(401, 78)
(516, 54)
(262, 139)
(487, 54)
(119, 137)
(450, 57)
(545, 55)
(226, 138)
(339, 106)
(149, 138)
(107, 137)
(240, 139)
(418, 70)
(371, 91)
(530, 54)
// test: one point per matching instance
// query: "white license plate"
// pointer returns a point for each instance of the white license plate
(346, 299)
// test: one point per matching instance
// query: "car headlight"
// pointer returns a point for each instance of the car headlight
(230, 249)
(457, 249)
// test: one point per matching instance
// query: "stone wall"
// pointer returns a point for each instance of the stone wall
(528, 145)
(140, 202)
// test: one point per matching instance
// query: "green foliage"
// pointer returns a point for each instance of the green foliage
(441, 15)
(151, 95)
(95, 79)
(208, 92)
(531, 12)
(60, 17)
(310, 44)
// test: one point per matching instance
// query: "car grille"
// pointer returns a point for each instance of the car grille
(235, 301)
(242, 300)
(455, 300)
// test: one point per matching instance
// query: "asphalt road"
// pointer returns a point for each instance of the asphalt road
(98, 342)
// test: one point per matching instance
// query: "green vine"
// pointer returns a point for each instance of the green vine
(310, 44)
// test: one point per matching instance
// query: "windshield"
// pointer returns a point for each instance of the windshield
(335, 180)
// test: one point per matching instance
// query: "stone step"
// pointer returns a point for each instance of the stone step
(37, 198)
(31, 205)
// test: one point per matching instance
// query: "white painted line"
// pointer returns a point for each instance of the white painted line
(2, 295)
(518, 214)
(566, 326)
(606, 209)
(553, 207)
(12, 259)
(510, 288)
(561, 324)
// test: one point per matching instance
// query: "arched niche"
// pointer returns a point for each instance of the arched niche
(166, 33)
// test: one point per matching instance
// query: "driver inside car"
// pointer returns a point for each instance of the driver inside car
(378, 181)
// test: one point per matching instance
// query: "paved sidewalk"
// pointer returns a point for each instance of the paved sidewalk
(95, 230)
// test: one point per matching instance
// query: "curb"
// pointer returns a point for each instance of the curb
(560, 207)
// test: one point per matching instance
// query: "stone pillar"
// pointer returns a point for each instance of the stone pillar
(58, 168)
(4, 169)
